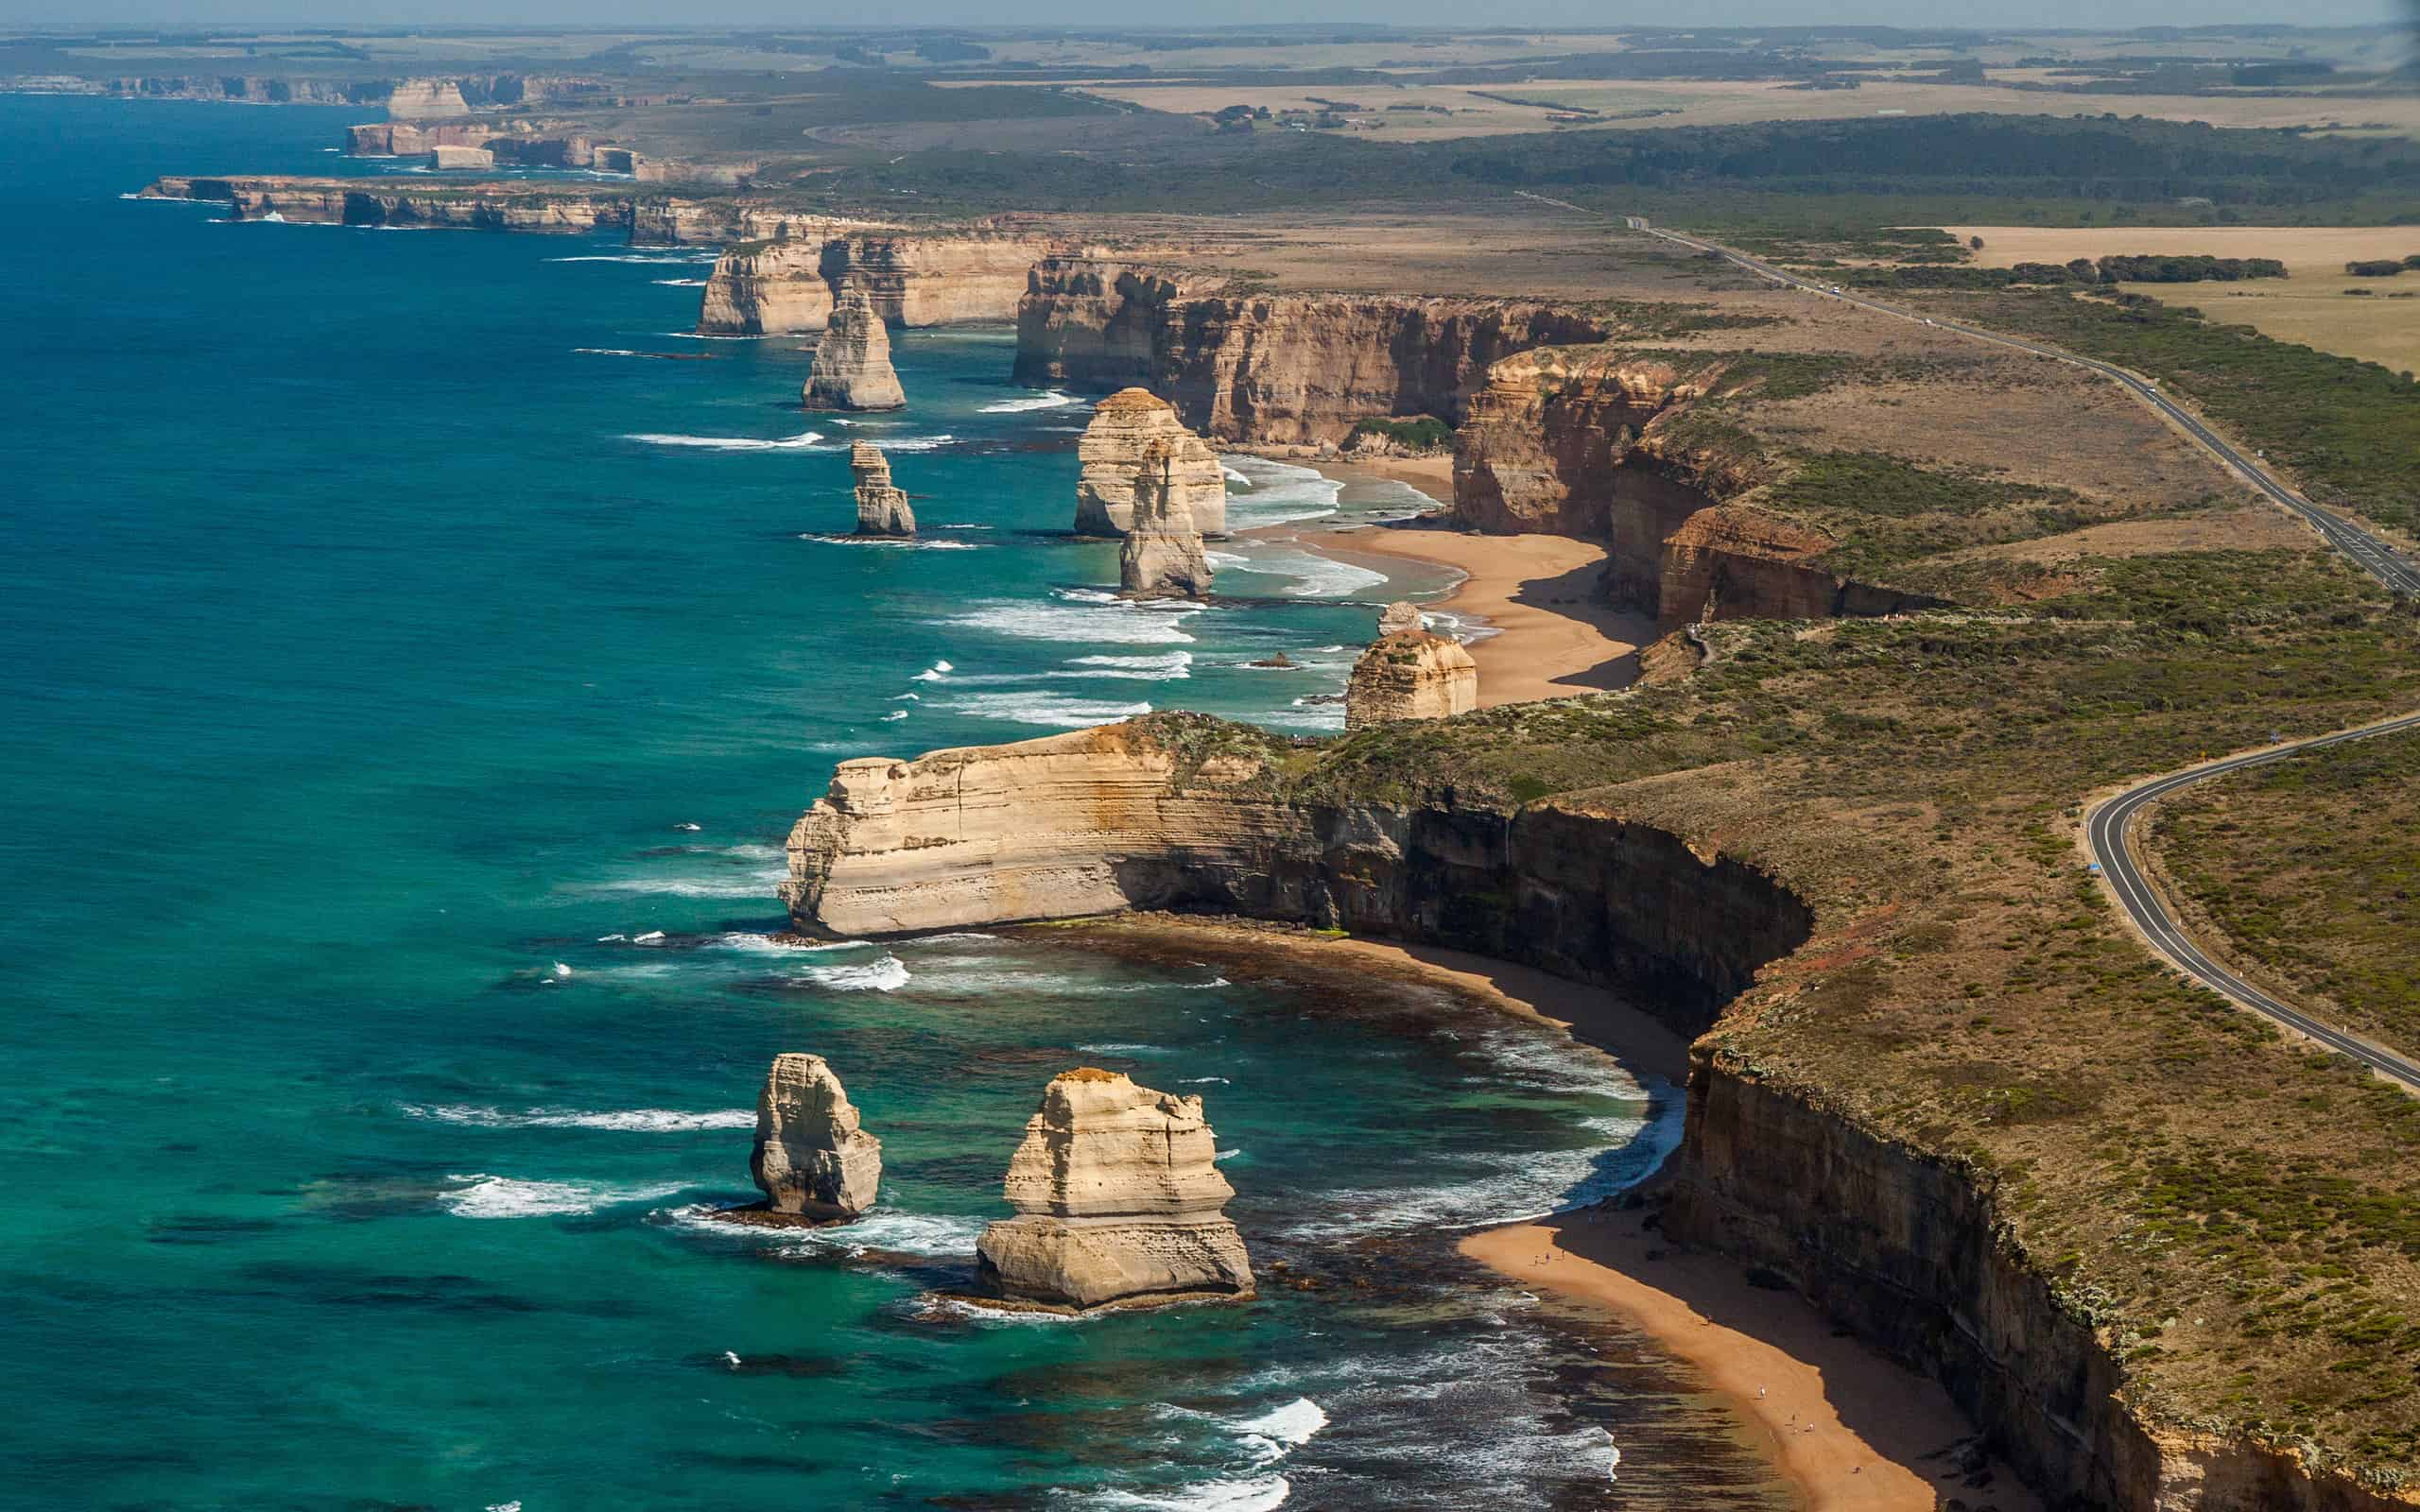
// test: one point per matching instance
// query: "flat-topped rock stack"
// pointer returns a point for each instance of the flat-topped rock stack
(882, 508)
(1161, 554)
(1112, 450)
(1119, 1201)
(813, 1158)
(852, 367)
(1408, 674)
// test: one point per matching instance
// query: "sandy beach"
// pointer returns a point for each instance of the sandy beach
(1850, 1430)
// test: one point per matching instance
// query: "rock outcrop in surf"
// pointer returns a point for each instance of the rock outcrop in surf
(882, 508)
(852, 367)
(812, 1157)
(1408, 674)
(1119, 1200)
(1123, 427)
(1161, 554)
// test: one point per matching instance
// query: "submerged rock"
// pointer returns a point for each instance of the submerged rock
(1119, 1200)
(1123, 427)
(882, 509)
(852, 367)
(1162, 556)
(812, 1159)
(1409, 674)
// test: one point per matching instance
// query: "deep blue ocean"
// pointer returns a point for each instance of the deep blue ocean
(408, 685)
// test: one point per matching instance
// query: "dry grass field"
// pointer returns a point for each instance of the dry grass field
(2309, 306)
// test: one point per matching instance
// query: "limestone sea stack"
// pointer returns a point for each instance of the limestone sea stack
(882, 509)
(812, 1159)
(1162, 556)
(853, 361)
(1119, 1200)
(1123, 426)
(1408, 674)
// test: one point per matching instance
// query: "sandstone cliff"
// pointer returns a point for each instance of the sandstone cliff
(1911, 1249)
(420, 98)
(852, 367)
(1409, 674)
(1594, 442)
(812, 1157)
(1270, 367)
(1123, 427)
(1118, 1199)
(513, 204)
(882, 509)
(1162, 556)
(939, 278)
(442, 157)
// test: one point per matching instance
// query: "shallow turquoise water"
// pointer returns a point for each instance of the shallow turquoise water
(408, 695)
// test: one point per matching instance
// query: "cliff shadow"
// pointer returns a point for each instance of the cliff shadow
(1577, 595)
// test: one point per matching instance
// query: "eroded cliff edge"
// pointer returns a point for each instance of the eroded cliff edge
(1723, 936)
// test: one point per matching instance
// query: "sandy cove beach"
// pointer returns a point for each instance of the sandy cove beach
(1848, 1429)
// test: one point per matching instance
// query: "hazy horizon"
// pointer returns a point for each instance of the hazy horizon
(1541, 15)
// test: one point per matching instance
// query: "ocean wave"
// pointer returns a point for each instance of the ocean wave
(894, 543)
(767, 944)
(1292, 1425)
(804, 441)
(1052, 709)
(1166, 666)
(1275, 493)
(680, 282)
(1315, 576)
(886, 974)
(652, 259)
(606, 351)
(933, 1235)
(498, 1196)
(1116, 1048)
(632, 1120)
(752, 887)
(913, 443)
(1053, 399)
(1260, 1493)
(1106, 621)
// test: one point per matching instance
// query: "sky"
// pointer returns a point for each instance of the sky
(1510, 13)
(1210, 14)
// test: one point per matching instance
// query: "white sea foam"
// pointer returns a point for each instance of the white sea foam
(890, 542)
(1291, 1425)
(1262, 492)
(1261, 1493)
(885, 973)
(498, 1197)
(895, 713)
(1167, 666)
(1233, 477)
(1226, 1154)
(606, 351)
(760, 885)
(1053, 399)
(1050, 709)
(767, 945)
(804, 441)
(1105, 620)
(937, 1236)
(914, 443)
(1201, 1081)
(680, 282)
(1116, 1048)
(630, 1120)
(1316, 576)
(654, 259)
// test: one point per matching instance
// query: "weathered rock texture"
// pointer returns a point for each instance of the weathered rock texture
(419, 98)
(1907, 1249)
(1117, 1197)
(882, 509)
(1124, 426)
(812, 1157)
(453, 157)
(1594, 442)
(1162, 556)
(1410, 674)
(852, 367)
(1398, 617)
(939, 278)
(1269, 367)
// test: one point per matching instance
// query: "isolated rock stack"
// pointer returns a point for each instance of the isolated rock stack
(812, 1159)
(882, 509)
(1408, 674)
(852, 367)
(1161, 554)
(1117, 1200)
(1123, 427)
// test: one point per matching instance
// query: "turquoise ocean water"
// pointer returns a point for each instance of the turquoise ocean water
(408, 691)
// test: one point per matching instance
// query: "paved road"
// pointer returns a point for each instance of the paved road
(2107, 829)
(2380, 560)
(2105, 832)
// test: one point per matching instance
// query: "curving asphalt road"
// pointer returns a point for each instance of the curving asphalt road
(2106, 827)
(2105, 832)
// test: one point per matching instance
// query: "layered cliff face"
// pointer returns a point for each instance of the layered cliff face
(1409, 674)
(405, 139)
(813, 1157)
(1909, 1247)
(851, 368)
(1593, 442)
(1161, 554)
(940, 278)
(422, 98)
(508, 206)
(1276, 368)
(247, 89)
(1118, 1199)
(1124, 426)
(882, 508)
